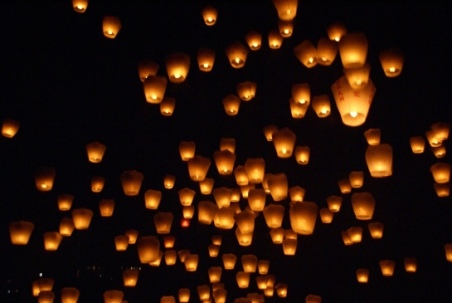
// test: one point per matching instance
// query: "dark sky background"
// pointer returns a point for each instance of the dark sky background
(68, 85)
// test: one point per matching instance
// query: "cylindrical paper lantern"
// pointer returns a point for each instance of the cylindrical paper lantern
(167, 106)
(417, 144)
(353, 49)
(97, 184)
(224, 160)
(177, 67)
(113, 296)
(363, 205)
(20, 232)
(303, 216)
(52, 240)
(206, 59)
(326, 51)
(278, 186)
(334, 203)
(326, 215)
(392, 62)
(246, 90)
(66, 227)
(69, 295)
(82, 218)
(237, 53)
(163, 222)
(356, 178)
(358, 77)
(306, 53)
(131, 182)
(191, 262)
(321, 105)
(111, 26)
(274, 214)
(95, 151)
(410, 264)
(187, 150)
(379, 160)
(209, 14)
(231, 104)
(152, 198)
(206, 186)
(285, 28)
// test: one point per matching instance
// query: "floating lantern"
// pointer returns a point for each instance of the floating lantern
(132, 235)
(274, 215)
(372, 136)
(243, 279)
(46, 296)
(287, 9)
(220, 295)
(432, 138)
(440, 172)
(336, 31)
(80, 6)
(209, 14)
(417, 144)
(20, 232)
(441, 130)
(353, 49)
(410, 264)
(275, 39)
(379, 160)
(301, 93)
(97, 184)
(289, 246)
(277, 235)
(206, 212)
(442, 189)
(448, 251)
(254, 40)
(167, 106)
(130, 277)
(10, 128)
(163, 222)
(355, 234)
(334, 203)
(177, 67)
(362, 275)
(439, 151)
(358, 77)
(387, 267)
(303, 217)
(237, 53)
(187, 150)
(213, 250)
(363, 205)
(249, 263)
(285, 28)
(256, 199)
(227, 144)
(281, 290)
(297, 193)
(356, 179)
(231, 104)
(147, 68)
(217, 239)
(214, 273)
(376, 230)
(95, 151)
(44, 178)
(326, 215)
(184, 295)
(131, 182)
(66, 227)
(65, 202)
(345, 186)
(198, 167)
(52, 240)
(224, 160)
(206, 59)
(222, 196)
(321, 105)
(148, 248)
(69, 295)
(284, 142)
(206, 186)
(278, 186)
(45, 284)
(246, 90)
(269, 131)
(186, 196)
(170, 257)
(297, 110)
(113, 296)
(255, 169)
(111, 26)
(156, 262)
(302, 155)
(263, 266)
(306, 53)
(229, 261)
(392, 62)
(224, 218)
(245, 221)
(121, 242)
(154, 89)
(152, 198)
(191, 262)
(188, 211)
(82, 218)
(313, 299)
(168, 181)
(326, 51)
(168, 241)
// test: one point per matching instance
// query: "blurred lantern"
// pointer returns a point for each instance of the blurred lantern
(372, 136)
(227, 144)
(353, 49)
(182, 254)
(237, 53)
(229, 261)
(302, 155)
(387, 267)
(222, 196)
(191, 262)
(206, 212)
(274, 39)
(65, 202)
(440, 172)
(321, 105)
(448, 251)
(284, 142)
(111, 26)
(254, 40)
(313, 299)
(154, 89)
(156, 262)
(66, 227)
(217, 239)
(152, 198)
(439, 151)
(336, 31)
(245, 221)
(345, 186)
(243, 279)
(289, 246)
(355, 233)
(132, 235)
(130, 277)
(392, 62)
(209, 14)
(121, 242)
(255, 169)
(281, 290)
(410, 264)
(45, 284)
(278, 186)
(301, 93)
(46, 296)
(10, 128)
(20, 232)
(356, 178)
(95, 151)
(254, 298)
(290, 234)
(163, 222)
(198, 167)
(186, 196)
(246, 90)
(168, 181)
(177, 67)
(297, 193)
(285, 28)
(52, 240)
(362, 275)
(274, 214)
(168, 241)
(269, 291)
(441, 130)
(432, 138)
(353, 106)
(188, 211)
(376, 230)
(363, 205)
(97, 184)
(82, 218)
(113, 296)
(131, 182)
(224, 218)
(187, 150)
(106, 207)
(286, 9)
(206, 186)
(69, 295)
(224, 160)
(184, 295)
(206, 59)
(220, 295)
(231, 104)
(277, 235)
(148, 248)
(35, 288)
(417, 144)
(214, 273)
(303, 217)
(358, 77)
(241, 176)
(44, 178)
(442, 189)
(263, 266)
(256, 199)
(379, 160)
(326, 215)
(170, 257)
(326, 51)
(213, 250)
(167, 106)
(80, 6)
(297, 110)
(269, 130)
(334, 203)
(306, 53)
(147, 68)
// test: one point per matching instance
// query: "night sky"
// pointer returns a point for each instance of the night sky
(68, 85)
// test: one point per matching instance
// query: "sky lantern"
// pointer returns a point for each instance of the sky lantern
(170, 256)
(440, 172)
(52, 240)
(20, 232)
(284, 142)
(66, 227)
(387, 267)
(147, 68)
(286, 9)
(243, 279)
(237, 53)
(275, 39)
(214, 273)
(442, 189)
(313, 299)
(206, 59)
(321, 105)
(167, 106)
(224, 160)
(10, 128)
(281, 289)
(158, 261)
(65, 202)
(111, 26)
(353, 49)
(154, 89)
(246, 90)
(198, 167)
(97, 184)
(432, 138)
(187, 150)
(45, 284)
(222, 196)
(184, 295)
(410, 264)
(254, 40)
(441, 130)
(44, 178)
(186, 196)
(95, 151)
(439, 151)
(277, 235)
(227, 144)
(344, 185)
(392, 62)
(448, 251)
(256, 199)
(417, 144)
(306, 53)
(358, 77)
(296, 193)
(46, 296)
(224, 218)
(303, 217)
(301, 93)
(353, 105)
(206, 186)
(379, 160)
(177, 67)
(168, 241)
(121, 242)
(355, 233)
(376, 230)
(231, 104)
(210, 15)
(255, 169)
(269, 130)
(362, 275)
(249, 263)
(130, 277)
(363, 205)
(302, 154)
(113, 296)
(289, 246)
(214, 250)
(168, 181)
(82, 218)
(148, 248)
(229, 260)
(206, 212)
(163, 222)
(285, 28)
(274, 215)
(334, 203)
(69, 295)
(245, 221)
(373, 136)
(152, 198)
(298, 110)
(132, 235)
(336, 31)
(220, 295)
(326, 51)
(326, 215)
(263, 266)
(131, 182)
(278, 186)
(356, 178)
(191, 262)
(80, 6)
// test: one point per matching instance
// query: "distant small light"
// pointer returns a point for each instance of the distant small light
(40, 274)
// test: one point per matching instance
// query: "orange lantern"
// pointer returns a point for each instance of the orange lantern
(214, 273)
(20, 232)
(231, 104)
(82, 218)
(246, 90)
(245, 221)
(206, 59)
(97, 184)
(66, 227)
(209, 14)
(448, 251)
(353, 49)
(206, 212)
(187, 150)
(326, 51)
(362, 275)
(152, 198)
(284, 142)
(46, 296)
(191, 262)
(301, 93)
(440, 172)
(198, 167)
(95, 151)
(387, 267)
(147, 68)
(372, 136)
(188, 211)
(167, 106)
(163, 222)
(321, 105)
(441, 130)
(206, 186)
(274, 39)
(379, 160)
(177, 67)
(313, 299)
(297, 193)
(355, 234)
(184, 295)
(44, 178)
(417, 144)
(345, 186)
(278, 186)
(285, 28)
(220, 295)
(154, 89)
(111, 26)
(281, 290)
(274, 214)
(336, 31)
(213, 250)
(131, 182)
(65, 202)
(80, 6)
(249, 263)
(326, 215)
(255, 169)
(302, 217)
(256, 199)
(254, 40)
(363, 205)
(358, 77)
(289, 246)
(269, 131)
(106, 207)
(392, 62)
(306, 53)
(52, 240)
(69, 295)
(224, 160)
(439, 151)
(229, 261)
(227, 144)
(442, 189)
(263, 266)
(132, 235)
(168, 181)
(121, 242)
(148, 249)
(224, 218)
(170, 257)
(244, 238)
(297, 110)
(302, 154)
(410, 264)
(376, 230)
(356, 179)
(222, 196)
(277, 235)
(10, 128)
(286, 9)
(334, 203)
(237, 53)
(432, 138)
(130, 277)
(113, 296)
(186, 196)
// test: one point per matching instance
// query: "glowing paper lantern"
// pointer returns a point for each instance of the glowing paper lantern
(297, 110)
(131, 182)
(95, 151)
(10, 128)
(209, 14)
(206, 186)
(326, 51)
(246, 90)
(439, 151)
(231, 104)
(82, 218)
(170, 257)
(66, 227)
(52, 240)
(229, 261)
(254, 40)
(220, 295)
(44, 178)
(353, 49)
(379, 160)
(167, 106)
(336, 31)
(152, 198)
(214, 273)
(281, 290)
(113, 296)
(224, 218)
(286, 9)
(256, 199)
(97, 184)
(186, 196)
(387, 267)
(255, 169)
(275, 39)
(297, 193)
(278, 186)
(410, 264)
(356, 179)
(147, 68)
(187, 150)
(269, 131)
(376, 230)
(289, 246)
(184, 295)
(206, 212)
(224, 160)
(80, 6)
(277, 235)
(321, 105)
(355, 234)
(46, 296)
(237, 53)
(69, 295)
(417, 144)
(148, 248)
(334, 203)
(303, 217)
(302, 154)
(284, 142)
(326, 215)
(345, 186)
(163, 222)
(132, 235)
(392, 62)
(313, 299)
(363, 205)
(121, 242)
(191, 262)
(65, 202)
(358, 77)
(440, 172)
(206, 59)
(263, 266)
(362, 275)
(198, 167)
(306, 53)
(168, 181)
(441, 130)
(245, 221)
(274, 214)
(20, 232)
(301, 93)
(130, 277)
(442, 189)
(177, 67)
(111, 26)
(448, 251)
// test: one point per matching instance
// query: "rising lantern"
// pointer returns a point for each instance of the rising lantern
(206, 59)
(121, 242)
(80, 6)
(278, 186)
(132, 234)
(298, 110)
(148, 248)
(111, 26)
(65, 202)
(285, 28)
(286, 9)
(177, 67)
(417, 144)
(246, 90)
(313, 299)
(224, 160)
(353, 49)
(362, 275)
(69, 295)
(187, 150)
(296, 193)
(376, 230)
(154, 89)
(273, 215)
(275, 39)
(356, 178)
(387, 267)
(306, 53)
(66, 227)
(326, 51)
(131, 182)
(152, 198)
(256, 199)
(255, 169)
(301, 93)
(168, 181)
(113, 296)
(95, 151)
(410, 264)
(209, 14)
(186, 196)
(231, 104)
(334, 203)
(198, 167)
(44, 178)
(284, 142)
(321, 105)
(379, 160)
(254, 40)
(440, 172)
(130, 277)
(373, 136)
(358, 77)
(363, 205)
(147, 68)
(82, 218)
(237, 53)
(52, 240)
(163, 222)
(10, 128)
(167, 106)
(336, 31)
(303, 217)
(97, 184)
(20, 232)
(392, 62)
(206, 186)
